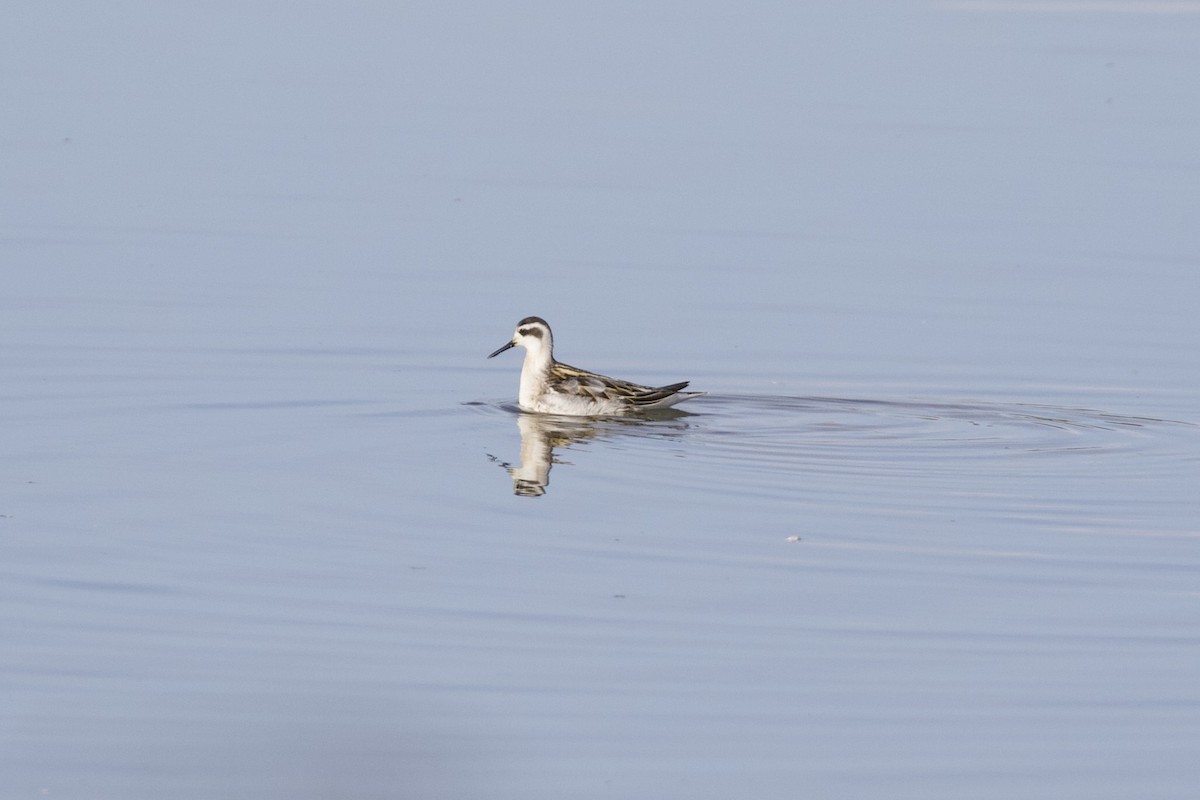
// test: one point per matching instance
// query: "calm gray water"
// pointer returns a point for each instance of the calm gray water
(272, 527)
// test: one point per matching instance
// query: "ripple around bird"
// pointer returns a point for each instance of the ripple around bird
(767, 432)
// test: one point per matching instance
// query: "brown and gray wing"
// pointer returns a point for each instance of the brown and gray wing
(651, 396)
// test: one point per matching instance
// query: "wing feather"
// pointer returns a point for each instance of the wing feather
(572, 380)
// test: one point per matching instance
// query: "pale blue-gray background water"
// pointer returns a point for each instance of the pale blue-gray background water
(934, 533)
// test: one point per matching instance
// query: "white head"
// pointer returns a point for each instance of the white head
(532, 333)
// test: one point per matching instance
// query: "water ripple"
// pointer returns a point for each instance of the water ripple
(791, 435)
(927, 435)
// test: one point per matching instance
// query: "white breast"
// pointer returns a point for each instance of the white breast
(574, 405)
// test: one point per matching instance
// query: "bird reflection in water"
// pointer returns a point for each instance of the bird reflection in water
(542, 433)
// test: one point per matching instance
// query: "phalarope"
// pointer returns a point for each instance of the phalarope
(551, 387)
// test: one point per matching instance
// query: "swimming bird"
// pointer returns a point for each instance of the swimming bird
(552, 387)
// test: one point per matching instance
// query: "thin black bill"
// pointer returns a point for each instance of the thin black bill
(502, 349)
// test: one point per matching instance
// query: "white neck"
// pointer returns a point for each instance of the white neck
(535, 370)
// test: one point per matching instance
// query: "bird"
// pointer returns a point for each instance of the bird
(552, 387)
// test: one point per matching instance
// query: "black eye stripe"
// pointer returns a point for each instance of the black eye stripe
(530, 332)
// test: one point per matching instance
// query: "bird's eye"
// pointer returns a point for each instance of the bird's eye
(524, 331)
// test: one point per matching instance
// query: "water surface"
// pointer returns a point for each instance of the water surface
(272, 526)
